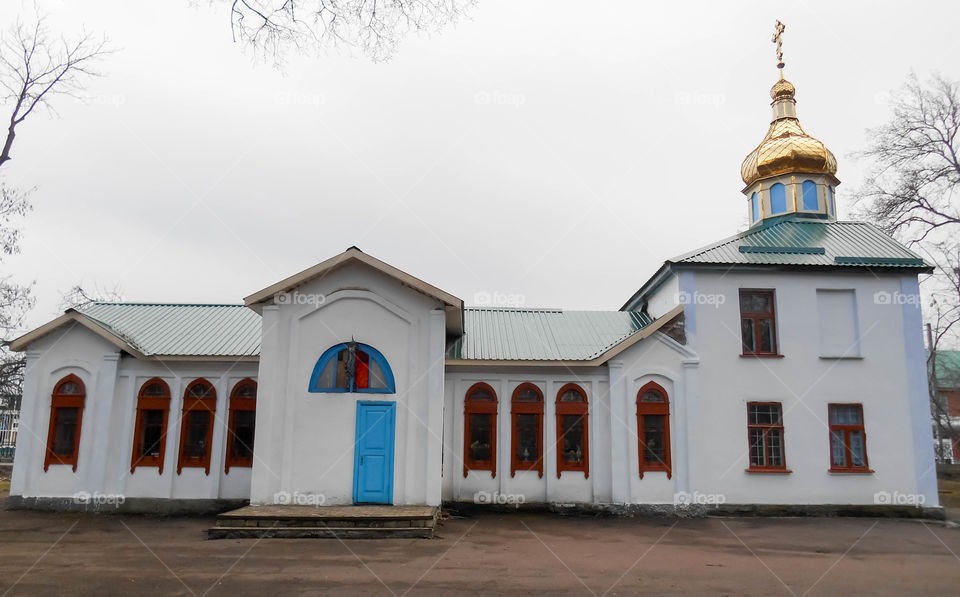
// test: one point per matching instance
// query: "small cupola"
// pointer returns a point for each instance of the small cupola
(790, 172)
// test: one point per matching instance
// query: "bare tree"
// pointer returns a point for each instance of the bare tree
(912, 193)
(79, 298)
(375, 27)
(35, 66)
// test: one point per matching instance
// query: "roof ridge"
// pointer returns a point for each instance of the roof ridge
(164, 304)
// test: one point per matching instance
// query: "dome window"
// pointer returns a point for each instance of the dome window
(810, 202)
(778, 199)
(755, 207)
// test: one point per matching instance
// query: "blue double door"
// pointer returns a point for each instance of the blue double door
(373, 455)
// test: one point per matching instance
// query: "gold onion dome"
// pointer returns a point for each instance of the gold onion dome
(786, 148)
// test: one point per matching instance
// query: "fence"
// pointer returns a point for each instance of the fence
(9, 424)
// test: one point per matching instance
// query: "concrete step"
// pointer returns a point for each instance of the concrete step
(230, 532)
(354, 522)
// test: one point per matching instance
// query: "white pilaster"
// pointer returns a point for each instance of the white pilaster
(619, 434)
(28, 457)
(435, 402)
(99, 409)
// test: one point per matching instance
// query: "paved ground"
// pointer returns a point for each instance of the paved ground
(521, 554)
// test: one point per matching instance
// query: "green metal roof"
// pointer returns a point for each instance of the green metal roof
(948, 368)
(542, 334)
(796, 241)
(181, 330)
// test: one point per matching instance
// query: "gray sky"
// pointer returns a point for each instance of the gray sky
(537, 149)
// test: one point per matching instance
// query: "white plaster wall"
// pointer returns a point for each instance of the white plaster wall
(894, 403)
(306, 440)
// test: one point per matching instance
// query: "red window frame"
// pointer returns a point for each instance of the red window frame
(60, 400)
(765, 428)
(239, 403)
(146, 403)
(756, 317)
(579, 409)
(653, 408)
(475, 406)
(523, 407)
(845, 430)
(192, 404)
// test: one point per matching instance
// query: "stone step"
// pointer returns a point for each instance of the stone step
(278, 532)
(323, 523)
(354, 522)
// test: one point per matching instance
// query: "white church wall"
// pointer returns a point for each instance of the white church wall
(306, 440)
(805, 382)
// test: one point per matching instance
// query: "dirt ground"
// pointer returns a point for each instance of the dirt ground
(508, 554)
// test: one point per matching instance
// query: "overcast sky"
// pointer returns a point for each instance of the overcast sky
(554, 151)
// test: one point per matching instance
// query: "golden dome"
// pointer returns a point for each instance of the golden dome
(787, 147)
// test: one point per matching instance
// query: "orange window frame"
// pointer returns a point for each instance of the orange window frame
(475, 406)
(518, 408)
(146, 403)
(845, 430)
(755, 317)
(653, 408)
(193, 404)
(59, 400)
(239, 403)
(765, 429)
(573, 409)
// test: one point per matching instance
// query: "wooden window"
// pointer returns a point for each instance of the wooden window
(765, 436)
(527, 414)
(240, 424)
(653, 429)
(150, 427)
(758, 323)
(66, 415)
(480, 430)
(848, 439)
(573, 445)
(352, 367)
(196, 426)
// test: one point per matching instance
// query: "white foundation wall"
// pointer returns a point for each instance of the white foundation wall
(305, 441)
(612, 430)
(886, 374)
(112, 382)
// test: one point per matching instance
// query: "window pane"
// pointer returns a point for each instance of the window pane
(243, 425)
(857, 452)
(198, 421)
(480, 395)
(200, 390)
(654, 445)
(757, 449)
(65, 429)
(838, 452)
(749, 338)
(151, 433)
(527, 394)
(845, 414)
(652, 397)
(328, 376)
(377, 379)
(361, 372)
(764, 414)
(755, 207)
(481, 434)
(249, 390)
(810, 201)
(343, 376)
(528, 435)
(70, 388)
(778, 199)
(766, 335)
(571, 396)
(572, 429)
(155, 389)
(774, 440)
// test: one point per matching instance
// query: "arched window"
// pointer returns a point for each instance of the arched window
(150, 427)
(480, 429)
(653, 429)
(66, 414)
(778, 199)
(573, 445)
(352, 367)
(810, 200)
(527, 411)
(196, 426)
(755, 207)
(240, 424)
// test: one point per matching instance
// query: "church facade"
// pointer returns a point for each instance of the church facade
(783, 366)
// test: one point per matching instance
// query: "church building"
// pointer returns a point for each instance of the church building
(780, 368)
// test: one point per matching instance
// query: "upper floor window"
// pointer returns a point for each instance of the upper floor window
(352, 367)
(480, 429)
(778, 199)
(240, 424)
(196, 427)
(653, 429)
(150, 427)
(765, 436)
(848, 438)
(66, 415)
(572, 431)
(810, 201)
(527, 411)
(755, 207)
(758, 323)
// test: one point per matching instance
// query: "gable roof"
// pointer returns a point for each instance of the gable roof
(148, 330)
(542, 336)
(454, 305)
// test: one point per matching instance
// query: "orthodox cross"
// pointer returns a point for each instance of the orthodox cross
(778, 39)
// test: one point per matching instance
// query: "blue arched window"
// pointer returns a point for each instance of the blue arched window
(810, 196)
(778, 199)
(833, 203)
(755, 207)
(352, 367)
